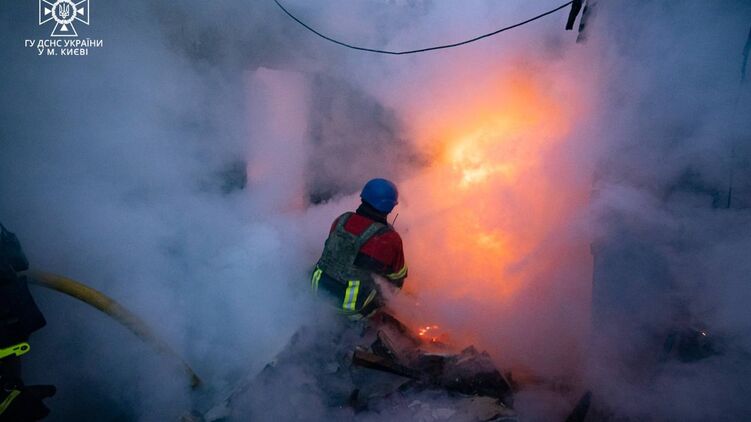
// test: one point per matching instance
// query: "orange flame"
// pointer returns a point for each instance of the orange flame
(486, 180)
(493, 196)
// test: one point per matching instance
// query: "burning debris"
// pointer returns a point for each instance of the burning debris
(380, 366)
(397, 350)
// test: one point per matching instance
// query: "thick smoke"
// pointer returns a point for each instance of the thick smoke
(190, 169)
(671, 208)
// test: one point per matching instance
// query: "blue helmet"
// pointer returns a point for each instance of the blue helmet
(381, 194)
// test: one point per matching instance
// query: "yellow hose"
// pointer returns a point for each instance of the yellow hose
(98, 300)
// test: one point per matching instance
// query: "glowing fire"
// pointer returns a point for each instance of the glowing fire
(423, 331)
(488, 183)
(492, 198)
(468, 158)
(431, 334)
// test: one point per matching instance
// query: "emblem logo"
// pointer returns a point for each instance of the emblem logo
(65, 13)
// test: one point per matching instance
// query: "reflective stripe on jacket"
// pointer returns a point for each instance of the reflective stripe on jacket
(337, 273)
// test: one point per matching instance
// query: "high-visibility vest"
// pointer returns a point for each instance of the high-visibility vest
(338, 263)
(8, 399)
(14, 350)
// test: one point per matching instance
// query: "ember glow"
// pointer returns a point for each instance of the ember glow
(427, 332)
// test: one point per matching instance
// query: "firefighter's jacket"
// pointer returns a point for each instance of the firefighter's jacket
(19, 315)
(359, 245)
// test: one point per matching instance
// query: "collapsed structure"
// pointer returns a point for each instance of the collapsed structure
(378, 366)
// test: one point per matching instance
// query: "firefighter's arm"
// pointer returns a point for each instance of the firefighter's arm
(12, 251)
(399, 266)
(397, 278)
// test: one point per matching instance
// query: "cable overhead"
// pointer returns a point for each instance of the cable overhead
(419, 50)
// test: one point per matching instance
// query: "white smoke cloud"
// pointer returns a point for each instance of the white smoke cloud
(117, 169)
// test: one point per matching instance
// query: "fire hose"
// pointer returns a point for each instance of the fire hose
(115, 311)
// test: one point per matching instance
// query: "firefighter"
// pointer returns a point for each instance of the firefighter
(19, 317)
(362, 244)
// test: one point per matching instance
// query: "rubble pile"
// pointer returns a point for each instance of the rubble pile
(373, 369)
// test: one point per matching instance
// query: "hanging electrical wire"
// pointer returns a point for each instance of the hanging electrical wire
(419, 50)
